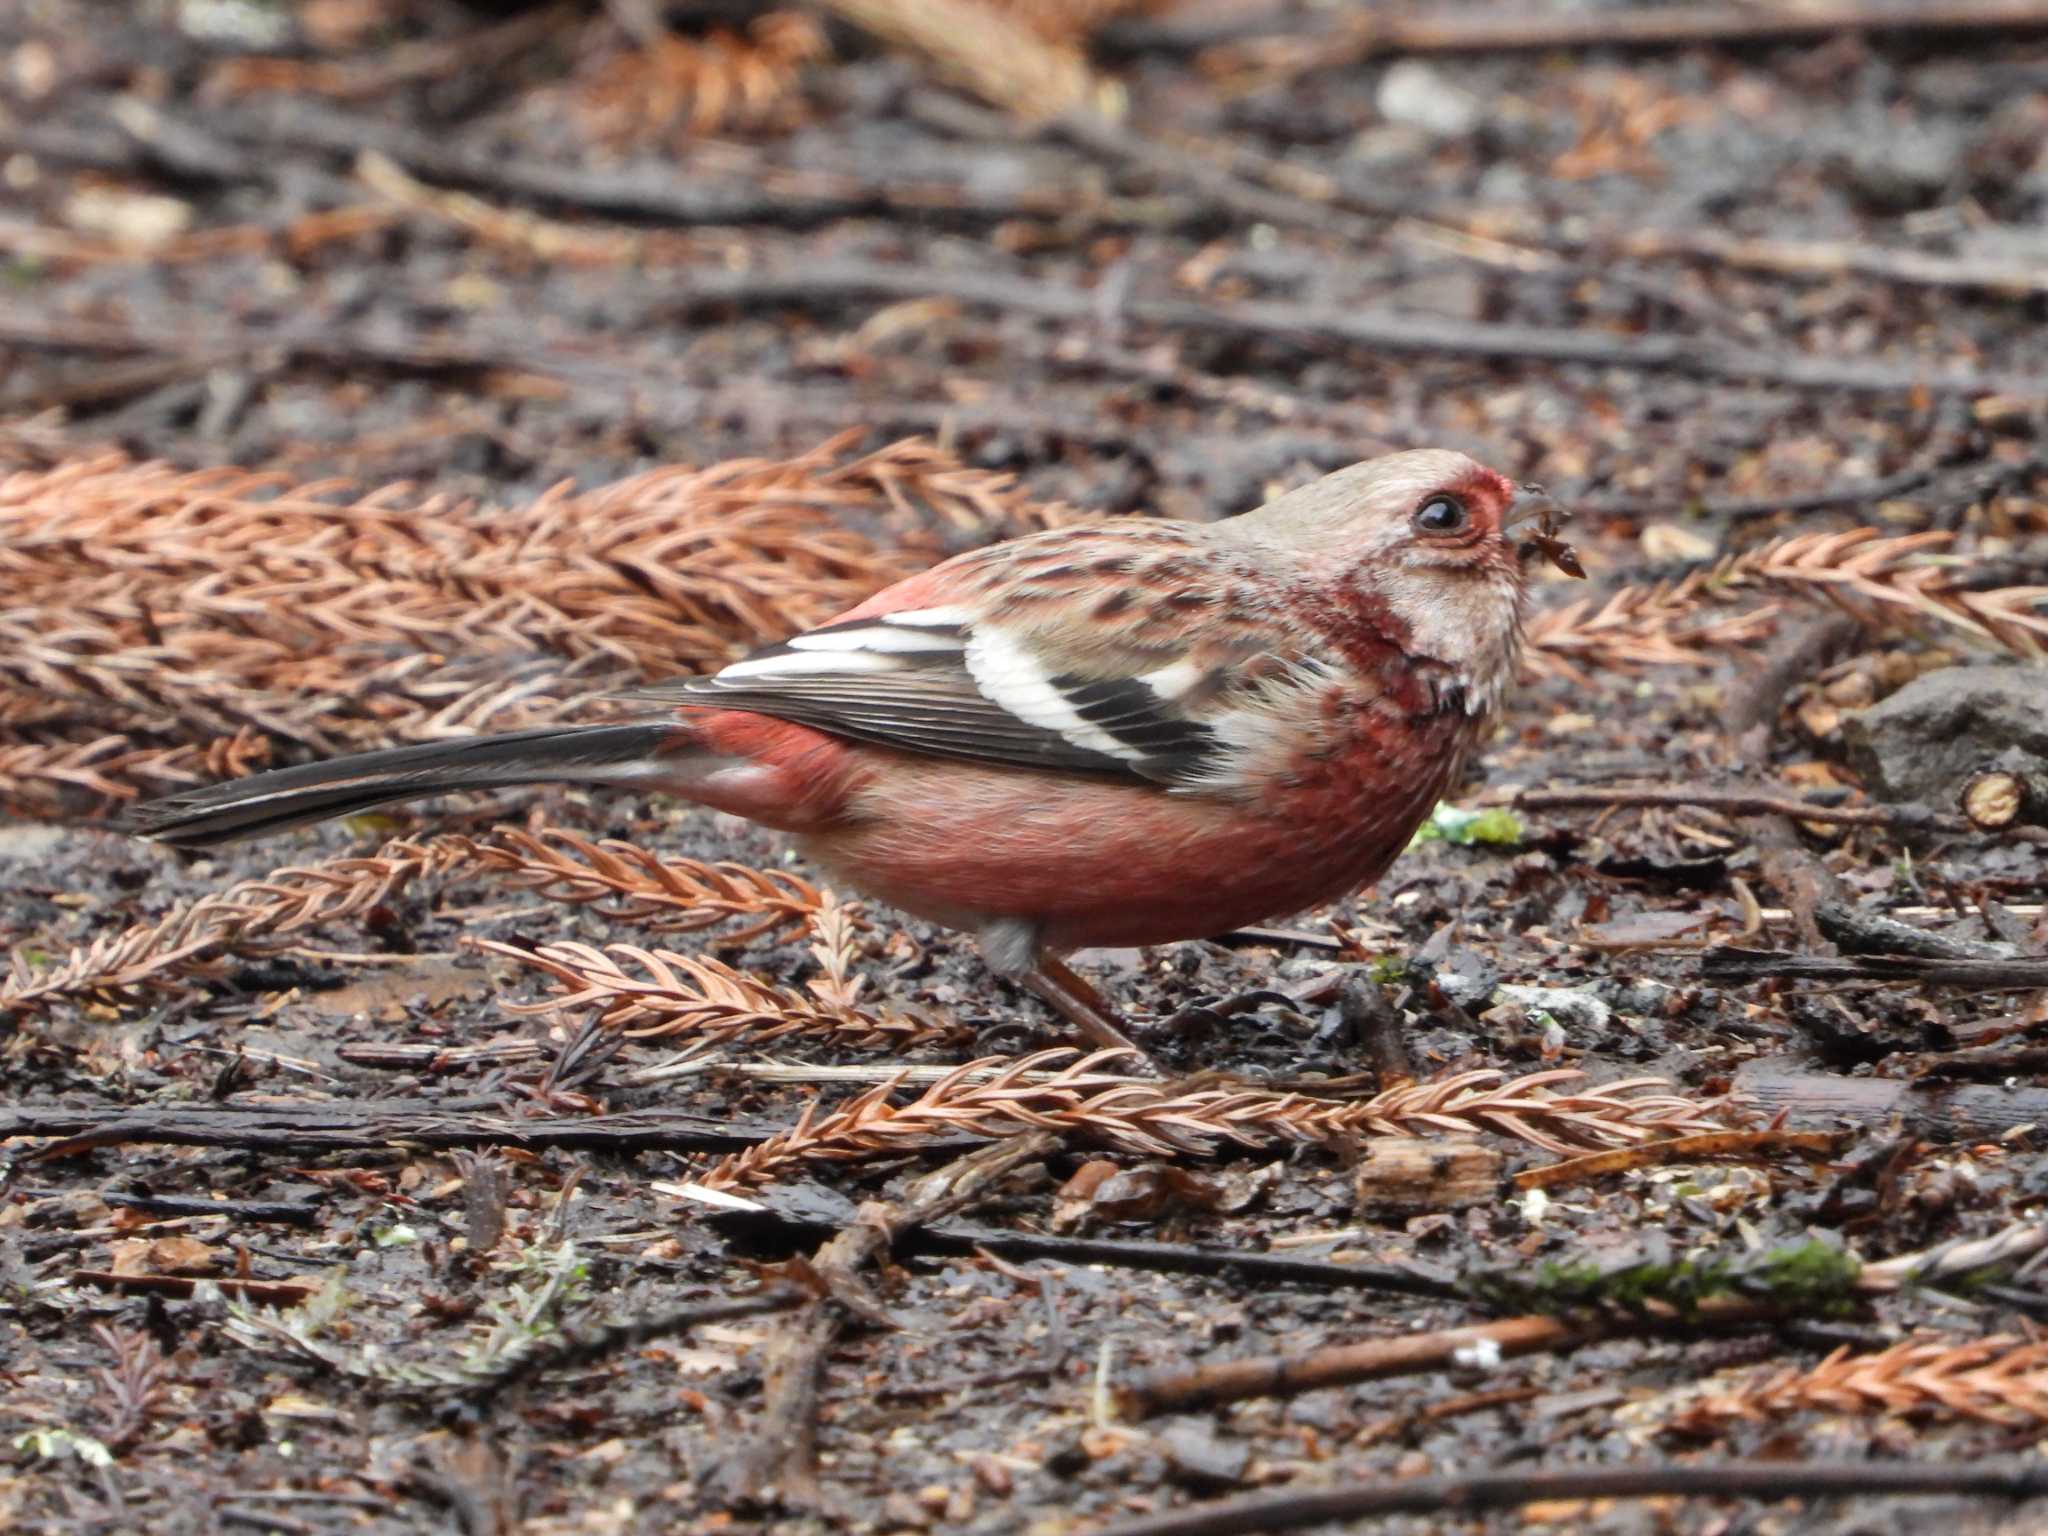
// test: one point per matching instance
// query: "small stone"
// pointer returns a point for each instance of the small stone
(1898, 164)
(1196, 1458)
(1422, 96)
(1925, 741)
(1066, 1456)
(992, 1475)
(903, 1513)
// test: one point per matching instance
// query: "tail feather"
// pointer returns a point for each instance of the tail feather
(290, 797)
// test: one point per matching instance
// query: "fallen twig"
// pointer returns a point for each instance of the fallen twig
(838, 284)
(1168, 1258)
(1841, 258)
(1742, 1146)
(1210, 1383)
(1346, 38)
(1943, 1112)
(298, 1129)
(1466, 1493)
(269, 1293)
(290, 1213)
(1730, 966)
(1739, 802)
(782, 1462)
(1592, 1302)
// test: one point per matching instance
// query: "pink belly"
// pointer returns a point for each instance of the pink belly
(1096, 862)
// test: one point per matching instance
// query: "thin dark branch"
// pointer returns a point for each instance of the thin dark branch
(845, 283)
(1737, 802)
(1350, 36)
(328, 1127)
(1750, 802)
(585, 1345)
(781, 1464)
(1732, 967)
(1171, 1258)
(1859, 493)
(1471, 1492)
(289, 1213)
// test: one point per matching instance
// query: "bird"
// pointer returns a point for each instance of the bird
(1127, 732)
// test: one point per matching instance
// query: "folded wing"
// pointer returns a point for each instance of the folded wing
(1140, 691)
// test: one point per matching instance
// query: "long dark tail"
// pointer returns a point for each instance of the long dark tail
(290, 797)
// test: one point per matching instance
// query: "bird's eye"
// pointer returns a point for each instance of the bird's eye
(1442, 514)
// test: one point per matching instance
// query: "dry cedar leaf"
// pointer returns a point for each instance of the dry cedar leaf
(252, 917)
(1999, 1379)
(624, 882)
(1073, 21)
(1088, 1096)
(1883, 582)
(64, 780)
(655, 994)
(705, 84)
(149, 606)
(988, 49)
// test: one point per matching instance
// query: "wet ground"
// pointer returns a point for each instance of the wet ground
(1709, 294)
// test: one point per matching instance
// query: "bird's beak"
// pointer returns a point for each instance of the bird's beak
(1532, 501)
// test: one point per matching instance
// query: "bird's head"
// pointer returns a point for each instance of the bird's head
(1423, 544)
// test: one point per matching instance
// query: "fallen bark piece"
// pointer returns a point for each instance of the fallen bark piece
(1406, 1175)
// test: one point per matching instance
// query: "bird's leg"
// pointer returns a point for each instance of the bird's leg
(1013, 952)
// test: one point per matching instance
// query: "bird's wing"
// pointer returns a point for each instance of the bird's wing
(1139, 653)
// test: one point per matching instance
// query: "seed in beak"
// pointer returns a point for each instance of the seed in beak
(1533, 502)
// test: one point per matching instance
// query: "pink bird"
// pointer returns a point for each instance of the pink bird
(1133, 732)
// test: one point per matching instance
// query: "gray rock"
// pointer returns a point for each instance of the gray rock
(1903, 164)
(30, 842)
(1198, 1458)
(1923, 741)
(1423, 96)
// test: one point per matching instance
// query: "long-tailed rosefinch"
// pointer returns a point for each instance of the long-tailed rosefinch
(1128, 733)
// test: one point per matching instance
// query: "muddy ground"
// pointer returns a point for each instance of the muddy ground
(1709, 292)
